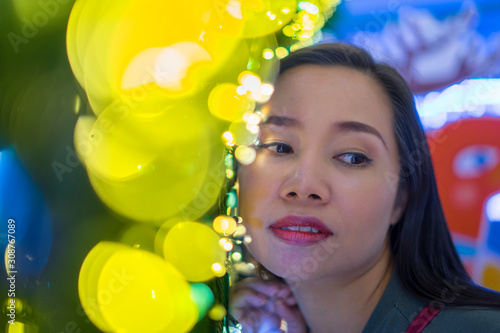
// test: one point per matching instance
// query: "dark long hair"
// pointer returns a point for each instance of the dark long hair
(426, 260)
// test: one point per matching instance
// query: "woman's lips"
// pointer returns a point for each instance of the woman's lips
(300, 230)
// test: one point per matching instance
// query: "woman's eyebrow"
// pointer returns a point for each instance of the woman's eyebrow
(355, 126)
(282, 121)
(343, 126)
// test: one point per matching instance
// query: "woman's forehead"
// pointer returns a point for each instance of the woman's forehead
(333, 89)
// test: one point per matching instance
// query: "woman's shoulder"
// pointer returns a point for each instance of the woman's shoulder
(466, 319)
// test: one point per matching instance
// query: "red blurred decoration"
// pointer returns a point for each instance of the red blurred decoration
(466, 157)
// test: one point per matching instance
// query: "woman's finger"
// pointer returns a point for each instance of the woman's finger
(260, 321)
(293, 317)
(248, 297)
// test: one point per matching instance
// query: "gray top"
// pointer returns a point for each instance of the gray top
(397, 308)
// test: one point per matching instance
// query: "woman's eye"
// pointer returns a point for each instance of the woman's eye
(277, 147)
(354, 159)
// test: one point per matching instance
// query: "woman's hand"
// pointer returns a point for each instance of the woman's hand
(261, 305)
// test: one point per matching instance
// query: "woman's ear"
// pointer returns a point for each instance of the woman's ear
(400, 204)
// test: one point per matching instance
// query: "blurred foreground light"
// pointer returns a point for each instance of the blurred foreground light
(245, 155)
(247, 239)
(228, 138)
(115, 278)
(192, 248)
(493, 208)
(217, 312)
(281, 52)
(250, 18)
(226, 103)
(241, 134)
(241, 230)
(268, 54)
(267, 89)
(236, 256)
(308, 7)
(249, 80)
(224, 225)
(469, 98)
(203, 297)
(218, 269)
(178, 154)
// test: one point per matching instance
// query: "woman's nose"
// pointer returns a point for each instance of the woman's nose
(305, 182)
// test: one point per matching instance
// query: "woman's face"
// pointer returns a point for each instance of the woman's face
(319, 198)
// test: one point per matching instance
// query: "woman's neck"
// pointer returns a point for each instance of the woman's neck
(330, 305)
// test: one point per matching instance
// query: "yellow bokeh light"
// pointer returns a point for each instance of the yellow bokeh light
(267, 89)
(245, 154)
(153, 284)
(288, 31)
(162, 232)
(174, 147)
(224, 225)
(241, 90)
(21, 327)
(268, 54)
(228, 246)
(225, 103)
(115, 278)
(252, 118)
(108, 65)
(192, 248)
(236, 256)
(139, 236)
(217, 312)
(251, 18)
(254, 129)
(309, 7)
(168, 66)
(218, 270)
(240, 231)
(228, 138)
(281, 52)
(251, 82)
(247, 239)
(241, 135)
(262, 95)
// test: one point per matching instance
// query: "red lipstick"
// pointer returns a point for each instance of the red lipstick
(298, 230)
